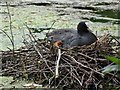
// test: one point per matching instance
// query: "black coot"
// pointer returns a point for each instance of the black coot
(71, 37)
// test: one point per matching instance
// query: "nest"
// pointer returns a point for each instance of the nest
(77, 67)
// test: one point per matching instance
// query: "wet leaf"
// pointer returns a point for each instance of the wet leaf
(111, 68)
(113, 59)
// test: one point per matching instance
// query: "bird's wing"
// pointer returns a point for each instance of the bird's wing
(60, 31)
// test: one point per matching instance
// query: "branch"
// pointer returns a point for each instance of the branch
(57, 66)
(85, 66)
(37, 50)
(10, 27)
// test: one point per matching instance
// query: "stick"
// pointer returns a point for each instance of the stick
(10, 25)
(35, 47)
(57, 66)
(85, 66)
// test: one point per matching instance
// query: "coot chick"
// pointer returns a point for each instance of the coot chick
(71, 37)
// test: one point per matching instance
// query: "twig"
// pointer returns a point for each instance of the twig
(62, 79)
(85, 66)
(30, 33)
(115, 39)
(112, 77)
(87, 56)
(10, 27)
(38, 51)
(51, 79)
(82, 79)
(51, 26)
(7, 36)
(77, 79)
(57, 66)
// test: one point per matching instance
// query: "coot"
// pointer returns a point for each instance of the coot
(71, 37)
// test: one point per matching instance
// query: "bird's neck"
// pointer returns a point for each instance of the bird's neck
(83, 31)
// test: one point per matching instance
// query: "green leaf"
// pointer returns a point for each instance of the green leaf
(111, 68)
(113, 59)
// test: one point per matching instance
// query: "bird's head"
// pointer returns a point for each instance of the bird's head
(58, 43)
(82, 27)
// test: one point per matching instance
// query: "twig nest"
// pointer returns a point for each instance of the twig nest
(77, 67)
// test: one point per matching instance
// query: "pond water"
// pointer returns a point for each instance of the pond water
(101, 16)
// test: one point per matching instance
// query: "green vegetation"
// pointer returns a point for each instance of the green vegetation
(111, 68)
(109, 13)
